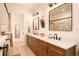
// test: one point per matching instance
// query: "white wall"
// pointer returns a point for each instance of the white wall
(27, 23)
(3, 18)
(76, 24)
(65, 35)
(4, 22)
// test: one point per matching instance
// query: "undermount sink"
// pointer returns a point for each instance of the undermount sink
(42, 34)
(50, 37)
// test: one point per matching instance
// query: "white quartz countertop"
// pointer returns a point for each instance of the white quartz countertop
(60, 43)
(2, 40)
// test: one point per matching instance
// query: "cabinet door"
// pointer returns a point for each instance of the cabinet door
(41, 49)
(29, 42)
(55, 50)
(34, 45)
(53, 53)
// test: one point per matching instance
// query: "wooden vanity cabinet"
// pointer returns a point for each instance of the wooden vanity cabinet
(37, 46)
(42, 48)
(29, 41)
(55, 50)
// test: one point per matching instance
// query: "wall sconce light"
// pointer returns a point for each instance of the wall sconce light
(35, 14)
(50, 4)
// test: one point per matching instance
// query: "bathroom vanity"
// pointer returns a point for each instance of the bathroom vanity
(3, 46)
(43, 46)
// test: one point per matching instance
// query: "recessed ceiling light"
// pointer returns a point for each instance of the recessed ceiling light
(63, 9)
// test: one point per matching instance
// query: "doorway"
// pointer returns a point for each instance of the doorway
(17, 26)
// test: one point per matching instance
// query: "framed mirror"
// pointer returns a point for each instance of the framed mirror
(60, 18)
(17, 31)
(36, 23)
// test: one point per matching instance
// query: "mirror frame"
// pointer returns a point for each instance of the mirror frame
(37, 19)
(71, 17)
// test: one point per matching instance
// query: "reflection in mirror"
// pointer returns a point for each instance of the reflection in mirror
(42, 22)
(60, 18)
(17, 31)
(36, 23)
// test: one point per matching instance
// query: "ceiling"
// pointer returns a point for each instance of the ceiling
(22, 7)
(2, 8)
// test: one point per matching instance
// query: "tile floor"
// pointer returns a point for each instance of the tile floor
(21, 48)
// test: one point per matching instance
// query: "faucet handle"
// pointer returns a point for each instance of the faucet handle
(59, 38)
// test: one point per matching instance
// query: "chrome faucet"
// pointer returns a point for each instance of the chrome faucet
(55, 36)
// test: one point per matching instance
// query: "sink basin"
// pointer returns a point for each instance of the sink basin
(50, 37)
(42, 34)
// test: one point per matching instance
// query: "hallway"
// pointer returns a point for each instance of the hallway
(20, 49)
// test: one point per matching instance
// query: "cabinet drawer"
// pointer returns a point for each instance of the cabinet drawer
(53, 53)
(41, 51)
(42, 43)
(56, 49)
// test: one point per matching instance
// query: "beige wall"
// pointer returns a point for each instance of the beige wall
(65, 35)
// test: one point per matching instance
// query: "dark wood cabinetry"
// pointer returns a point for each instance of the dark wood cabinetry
(55, 51)
(37, 46)
(29, 43)
(42, 48)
